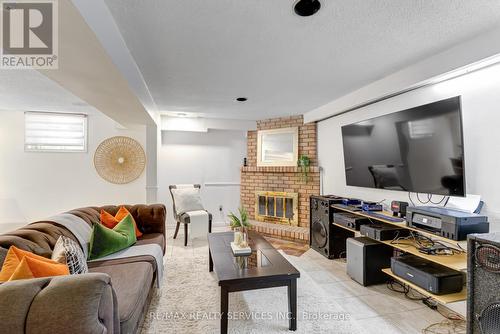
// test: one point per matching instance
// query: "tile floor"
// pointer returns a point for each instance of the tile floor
(376, 308)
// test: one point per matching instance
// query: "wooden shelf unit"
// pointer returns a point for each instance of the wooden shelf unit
(346, 228)
(449, 242)
(456, 261)
(443, 299)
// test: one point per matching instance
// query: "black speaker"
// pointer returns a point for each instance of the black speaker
(483, 284)
(322, 236)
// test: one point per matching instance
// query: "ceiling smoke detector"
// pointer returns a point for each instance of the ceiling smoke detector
(307, 7)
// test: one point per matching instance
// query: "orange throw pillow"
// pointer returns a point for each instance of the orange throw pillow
(33, 268)
(13, 261)
(109, 221)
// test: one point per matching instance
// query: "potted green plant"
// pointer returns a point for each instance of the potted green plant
(304, 163)
(240, 225)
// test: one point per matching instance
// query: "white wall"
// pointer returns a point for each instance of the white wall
(481, 120)
(44, 184)
(212, 157)
(153, 135)
(477, 50)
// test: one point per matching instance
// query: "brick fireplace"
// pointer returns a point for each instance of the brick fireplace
(257, 180)
(277, 207)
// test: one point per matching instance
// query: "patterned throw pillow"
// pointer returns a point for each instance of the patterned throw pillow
(69, 252)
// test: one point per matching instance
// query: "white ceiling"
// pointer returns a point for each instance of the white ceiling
(198, 55)
(87, 70)
(87, 80)
(29, 90)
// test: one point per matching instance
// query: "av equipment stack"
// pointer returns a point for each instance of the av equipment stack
(483, 280)
(395, 232)
(430, 276)
(448, 223)
(398, 208)
(351, 201)
(382, 232)
(371, 206)
(365, 260)
(349, 220)
(322, 239)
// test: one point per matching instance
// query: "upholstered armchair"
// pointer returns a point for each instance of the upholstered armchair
(188, 208)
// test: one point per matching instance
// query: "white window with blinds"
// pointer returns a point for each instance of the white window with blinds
(55, 132)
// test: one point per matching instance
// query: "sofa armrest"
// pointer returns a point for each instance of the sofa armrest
(63, 304)
(149, 218)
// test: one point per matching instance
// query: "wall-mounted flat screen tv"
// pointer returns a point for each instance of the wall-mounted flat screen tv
(416, 150)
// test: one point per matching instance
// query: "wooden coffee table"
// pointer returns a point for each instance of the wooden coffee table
(264, 268)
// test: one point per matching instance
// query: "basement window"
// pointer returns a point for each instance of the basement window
(421, 128)
(55, 132)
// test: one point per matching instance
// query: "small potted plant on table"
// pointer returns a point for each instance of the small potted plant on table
(240, 225)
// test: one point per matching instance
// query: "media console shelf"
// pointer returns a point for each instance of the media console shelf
(443, 299)
(456, 261)
(449, 242)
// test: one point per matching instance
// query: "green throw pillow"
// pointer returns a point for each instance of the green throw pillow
(105, 241)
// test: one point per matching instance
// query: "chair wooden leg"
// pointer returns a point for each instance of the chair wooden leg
(185, 234)
(177, 229)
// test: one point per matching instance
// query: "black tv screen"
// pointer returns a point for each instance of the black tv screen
(417, 150)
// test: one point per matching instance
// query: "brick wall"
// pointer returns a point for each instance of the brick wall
(286, 179)
(307, 135)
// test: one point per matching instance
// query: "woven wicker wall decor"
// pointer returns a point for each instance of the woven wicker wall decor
(119, 159)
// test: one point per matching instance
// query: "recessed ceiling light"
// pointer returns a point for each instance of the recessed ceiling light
(241, 99)
(307, 7)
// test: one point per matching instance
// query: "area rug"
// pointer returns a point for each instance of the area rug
(189, 300)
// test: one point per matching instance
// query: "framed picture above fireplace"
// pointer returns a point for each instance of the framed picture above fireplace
(278, 147)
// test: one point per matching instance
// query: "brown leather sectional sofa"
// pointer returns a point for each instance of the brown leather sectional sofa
(112, 298)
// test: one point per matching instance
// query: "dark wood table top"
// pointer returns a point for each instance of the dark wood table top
(265, 262)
